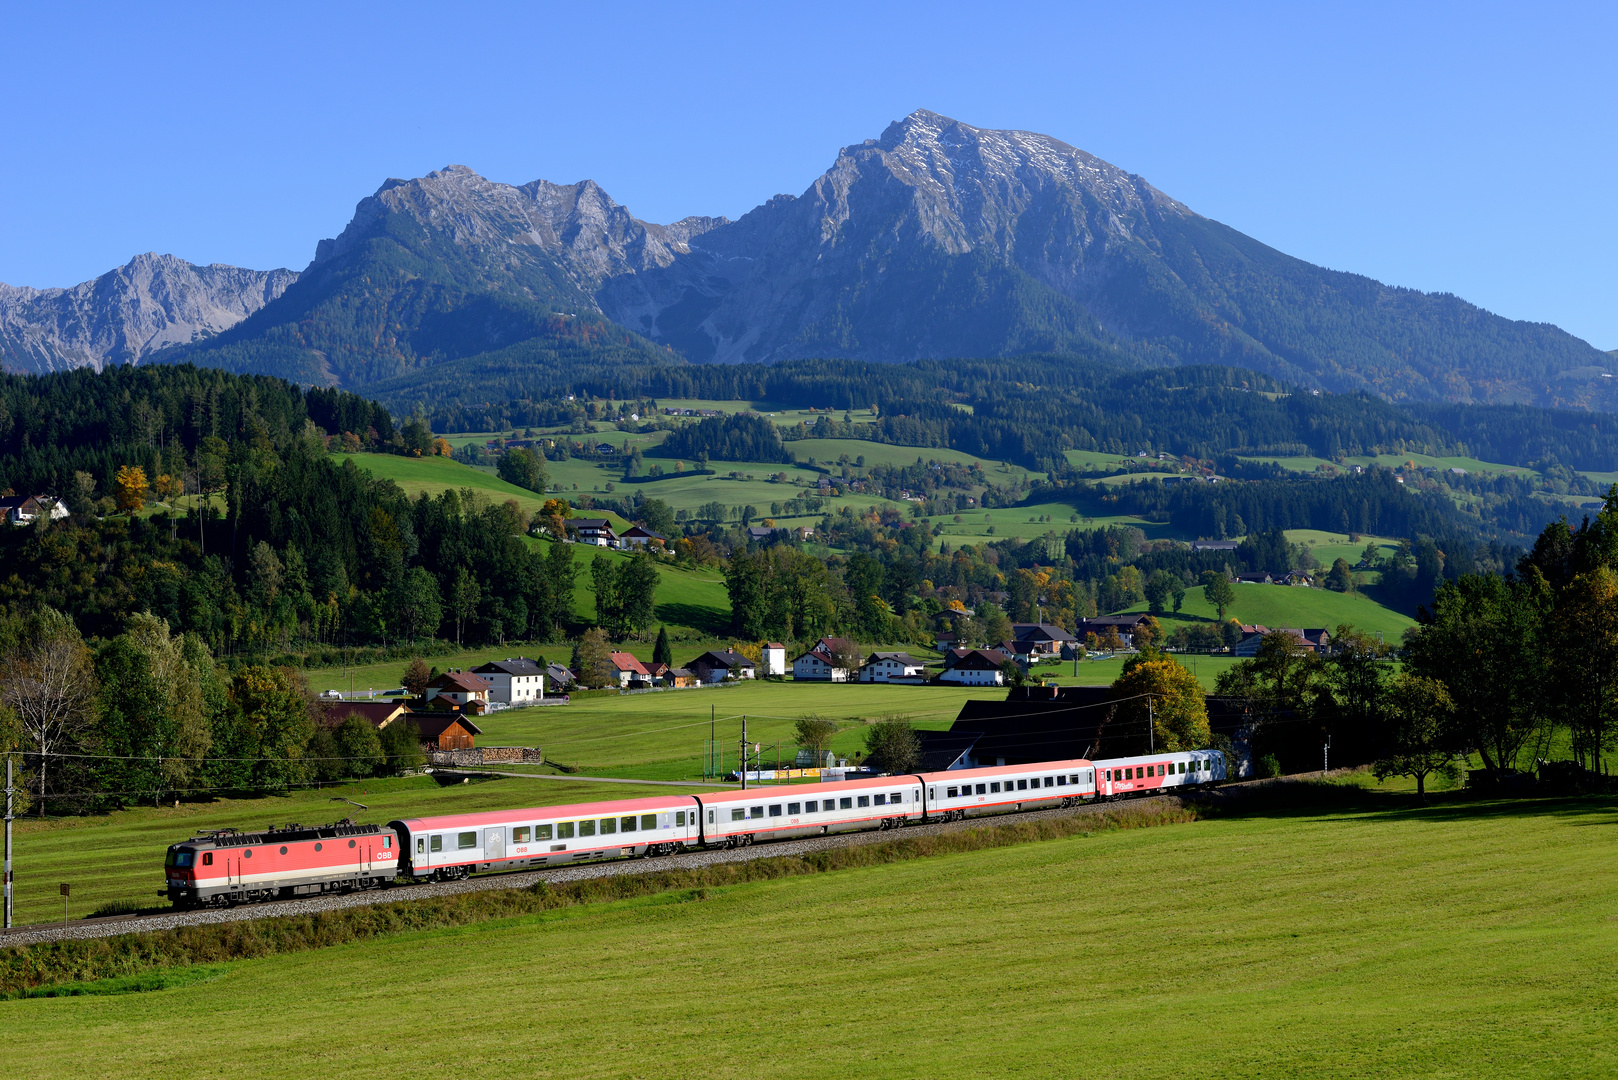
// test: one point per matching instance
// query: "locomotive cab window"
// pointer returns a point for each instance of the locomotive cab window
(387, 841)
(207, 858)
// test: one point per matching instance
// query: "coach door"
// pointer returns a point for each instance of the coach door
(494, 844)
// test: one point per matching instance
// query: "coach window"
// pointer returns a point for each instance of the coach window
(466, 840)
(587, 828)
(775, 809)
(846, 804)
(542, 832)
(993, 788)
(1061, 781)
(679, 819)
(1050, 781)
(710, 817)
(865, 800)
(794, 809)
(983, 789)
(812, 807)
(438, 842)
(519, 834)
(421, 845)
(881, 800)
(932, 793)
(1022, 785)
(896, 798)
(628, 824)
(648, 821)
(953, 793)
(609, 825)
(1074, 779)
(1129, 774)
(564, 830)
(738, 814)
(755, 811)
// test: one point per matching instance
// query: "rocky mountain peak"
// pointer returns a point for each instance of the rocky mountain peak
(151, 302)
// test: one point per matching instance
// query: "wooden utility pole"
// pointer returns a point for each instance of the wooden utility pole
(743, 768)
(10, 792)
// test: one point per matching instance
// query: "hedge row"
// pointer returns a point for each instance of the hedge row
(25, 968)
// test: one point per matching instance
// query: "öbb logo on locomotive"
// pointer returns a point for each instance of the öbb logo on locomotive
(230, 867)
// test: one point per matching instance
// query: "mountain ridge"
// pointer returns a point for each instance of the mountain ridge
(936, 239)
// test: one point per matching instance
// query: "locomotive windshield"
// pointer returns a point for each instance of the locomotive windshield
(179, 857)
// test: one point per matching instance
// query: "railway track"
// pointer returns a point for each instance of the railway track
(113, 925)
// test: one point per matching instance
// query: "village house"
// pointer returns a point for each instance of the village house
(462, 690)
(1124, 624)
(887, 667)
(680, 677)
(1315, 640)
(445, 731)
(639, 536)
(630, 671)
(24, 509)
(820, 664)
(1036, 640)
(379, 714)
(775, 658)
(974, 667)
(558, 677)
(513, 681)
(596, 531)
(715, 665)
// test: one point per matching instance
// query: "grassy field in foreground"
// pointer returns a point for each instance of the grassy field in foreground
(1447, 942)
(1287, 605)
(118, 858)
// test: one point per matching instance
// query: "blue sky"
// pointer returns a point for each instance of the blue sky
(1458, 148)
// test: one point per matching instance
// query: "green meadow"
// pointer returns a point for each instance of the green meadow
(1295, 606)
(1382, 940)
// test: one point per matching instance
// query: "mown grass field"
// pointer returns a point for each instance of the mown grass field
(1286, 605)
(1464, 941)
(432, 475)
(1012, 521)
(118, 858)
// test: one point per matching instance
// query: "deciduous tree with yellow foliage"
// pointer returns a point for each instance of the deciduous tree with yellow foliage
(1177, 716)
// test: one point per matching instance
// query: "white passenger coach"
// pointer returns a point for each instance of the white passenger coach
(456, 845)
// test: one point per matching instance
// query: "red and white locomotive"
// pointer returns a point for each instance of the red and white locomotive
(229, 867)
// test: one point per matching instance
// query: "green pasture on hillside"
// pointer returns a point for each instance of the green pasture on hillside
(1389, 941)
(432, 475)
(1330, 546)
(1095, 459)
(1294, 606)
(1012, 521)
(1392, 461)
(828, 451)
(117, 859)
